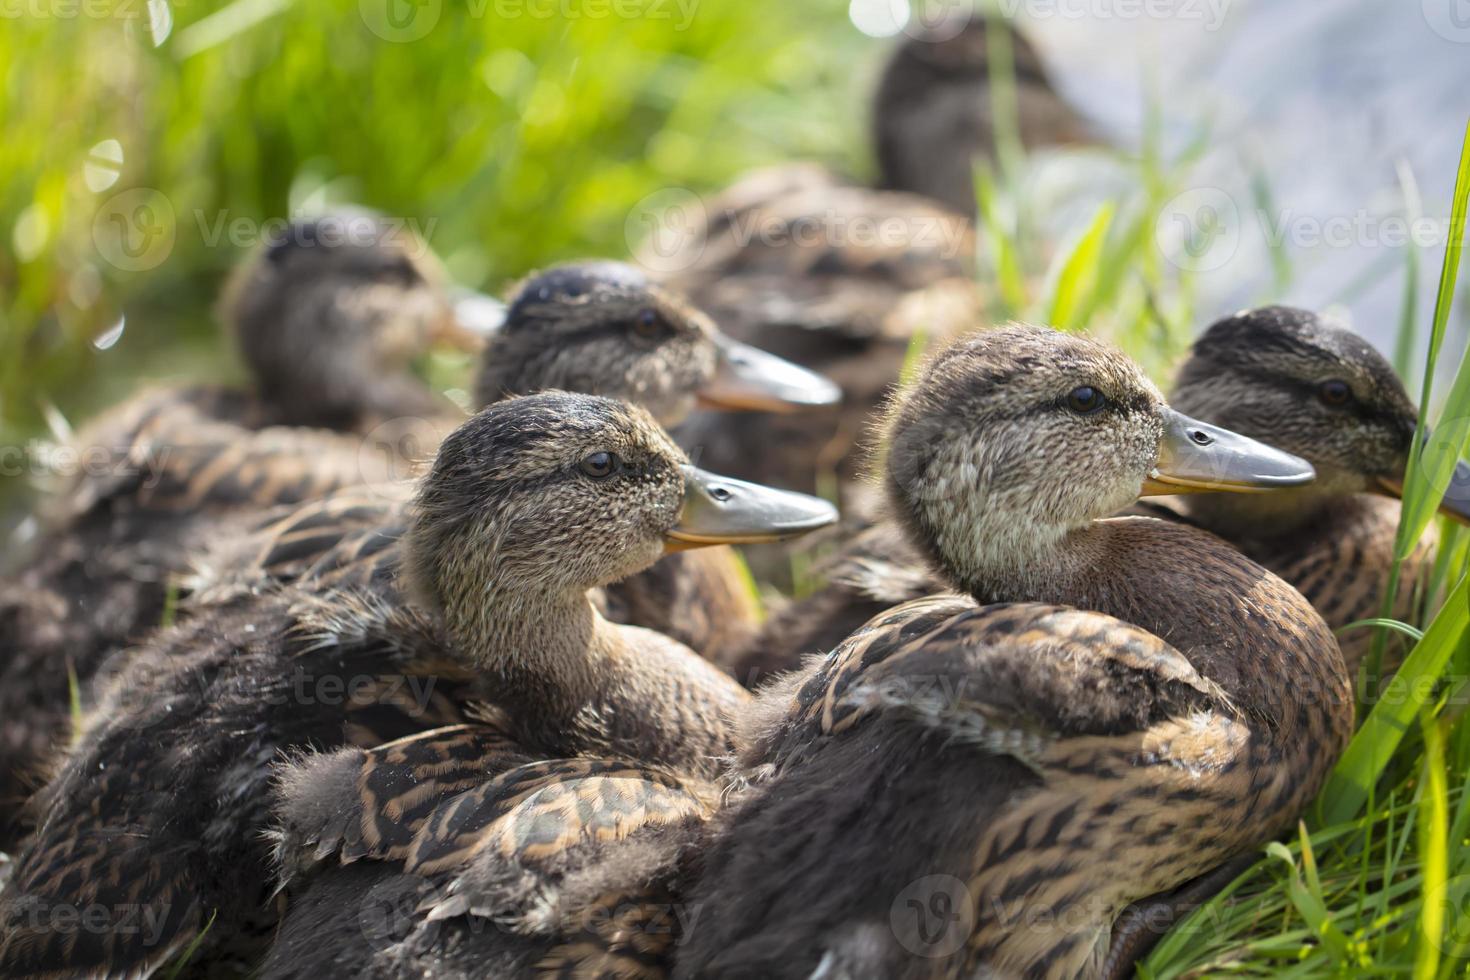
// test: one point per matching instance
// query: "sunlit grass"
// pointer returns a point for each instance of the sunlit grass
(513, 141)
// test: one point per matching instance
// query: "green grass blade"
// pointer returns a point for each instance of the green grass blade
(1428, 475)
(1004, 109)
(748, 582)
(1280, 260)
(1004, 249)
(1391, 624)
(1078, 274)
(187, 954)
(1434, 818)
(1306, 896)
(74, 701)
(1408, 335)
(1403, 697)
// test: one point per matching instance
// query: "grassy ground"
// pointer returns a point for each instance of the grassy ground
(516, 140)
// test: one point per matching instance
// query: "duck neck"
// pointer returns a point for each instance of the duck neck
(1032, 567)
(545, 656)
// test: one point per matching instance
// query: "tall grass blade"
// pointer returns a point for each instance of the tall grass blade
(1402, 698)
(1408, 335)
(1004, 249)
(1434, 818)
(1078, 274)
(1428, 474)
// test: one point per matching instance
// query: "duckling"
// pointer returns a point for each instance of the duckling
(1309, 385)
(839, 277)
(598, 327)
(983, 783)
(932, 113)
(327, 318)
(1292, 378)
(160, 809)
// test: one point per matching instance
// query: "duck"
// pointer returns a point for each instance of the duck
(326, 317)
(1295, 379)
(593, 326)
(1110, 708)
(162, 807)
(932, 116)
(1308, 384)
(844, 277)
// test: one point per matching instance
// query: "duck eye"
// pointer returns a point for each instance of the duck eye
(647, 324)
(1335, 393)
(1086, 400)
(599, 465)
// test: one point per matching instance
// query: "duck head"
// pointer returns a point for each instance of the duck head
(1309, 385)
(1012, 440)
(539, 498)
(330, 313)
(605, 328)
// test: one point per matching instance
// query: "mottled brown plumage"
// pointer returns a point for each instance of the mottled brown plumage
(1133, 702)
(601, 328)
(1307, 384)
(529, 504)
(1261, 373)
(326, 320)
(503, 867)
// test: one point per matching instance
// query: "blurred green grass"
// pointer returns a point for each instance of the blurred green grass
(513, 138)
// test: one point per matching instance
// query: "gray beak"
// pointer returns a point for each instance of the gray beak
(749, 379)
(718, 510)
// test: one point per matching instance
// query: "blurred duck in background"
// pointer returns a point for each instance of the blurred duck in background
(1288, 377)
(841, 278)
(161, 808)
(327, 320)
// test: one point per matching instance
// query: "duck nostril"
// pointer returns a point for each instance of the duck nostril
(1200, 438)
(720, 494)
